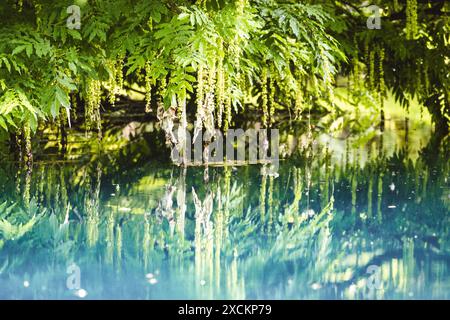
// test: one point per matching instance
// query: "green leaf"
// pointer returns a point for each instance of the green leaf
(62, 97)
(19, 49)
(7, 64)
(75, 34)
(3, 124)
(66, 82)
(29, 50)
(156, 15)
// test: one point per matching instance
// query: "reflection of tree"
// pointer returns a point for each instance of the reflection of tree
(320, 236)
(92, 206)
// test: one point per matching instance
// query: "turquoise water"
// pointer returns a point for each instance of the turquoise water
(346, 218)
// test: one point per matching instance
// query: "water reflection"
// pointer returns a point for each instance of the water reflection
(336, 208)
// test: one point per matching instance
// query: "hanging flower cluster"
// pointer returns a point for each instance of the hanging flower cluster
(375, 72)
(227, 121)
(411, 19)
(111, 83)
(148, 88)
(372, 70)
(264, 97)
(205, 103)
(92, 108)
(28, 151)
(119, 72)
(220, 86)
(115, 81)
(382, 86)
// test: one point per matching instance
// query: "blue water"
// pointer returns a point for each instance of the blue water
(340, 221)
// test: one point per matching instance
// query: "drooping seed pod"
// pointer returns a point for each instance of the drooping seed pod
(38, 8)
(356, 70)
(382, 89)
(98, 121)
(210, 105)
(264, 97)
(162, 87)
(112, 82)
(92, 108)
(408, 19)
(140, 76)
(411, 19)
(212, 72)
(88, 108)
(228, 101)
(200, 87)
(119, 72)
(148, 88)
(28, 150)
(220, 85)
(287, 87)
(372, 70)
(73, 106)
(272, 90)
(150, 23)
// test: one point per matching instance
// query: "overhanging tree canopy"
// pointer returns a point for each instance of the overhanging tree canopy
(210, 55)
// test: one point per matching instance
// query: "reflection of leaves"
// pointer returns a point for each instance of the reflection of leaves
(58, 231)
(14, 222)
(295, 243)
(40, 231)
(234, 198)
(14, 232)
(5, 210)
(242, 229)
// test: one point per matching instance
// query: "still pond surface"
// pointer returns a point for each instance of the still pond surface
(354, 217)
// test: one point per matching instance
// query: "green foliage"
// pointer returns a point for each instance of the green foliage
(43, 62)
(413, 43)
(281, 54)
